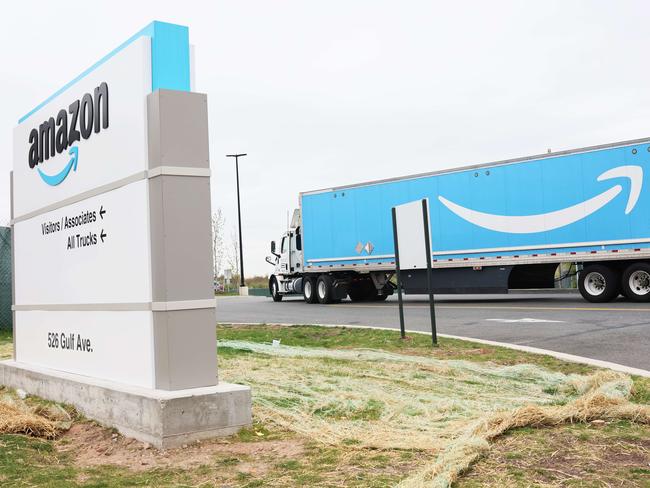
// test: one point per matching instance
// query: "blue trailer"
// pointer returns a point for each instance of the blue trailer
(494, 227)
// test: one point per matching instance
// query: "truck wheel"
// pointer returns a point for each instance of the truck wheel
(308, 290)
(598, 283)
(274, 289)
(636, 282)
(380, 298)
(324, 289)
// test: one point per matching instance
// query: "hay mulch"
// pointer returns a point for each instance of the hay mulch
(450, 410)
(40, 420)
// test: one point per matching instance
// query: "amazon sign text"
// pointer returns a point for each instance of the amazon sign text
(52, 137)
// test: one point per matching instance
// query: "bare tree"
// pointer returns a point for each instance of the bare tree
(218, 249)
(233, 254)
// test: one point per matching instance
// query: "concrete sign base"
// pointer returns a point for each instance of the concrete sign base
(163, 418)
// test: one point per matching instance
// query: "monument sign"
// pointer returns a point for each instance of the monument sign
(113, 298)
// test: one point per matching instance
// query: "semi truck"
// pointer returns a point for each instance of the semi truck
(495, 227)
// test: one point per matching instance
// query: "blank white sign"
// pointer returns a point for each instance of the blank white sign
(410, 235)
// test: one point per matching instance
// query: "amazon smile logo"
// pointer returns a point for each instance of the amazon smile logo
(528, 224)
(87, 115)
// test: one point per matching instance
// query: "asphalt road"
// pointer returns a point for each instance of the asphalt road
(618, 332)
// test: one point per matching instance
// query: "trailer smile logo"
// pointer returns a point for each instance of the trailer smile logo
(53, 137)
(528, 224)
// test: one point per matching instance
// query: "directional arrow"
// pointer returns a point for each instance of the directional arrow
(102, 235)
(102, 212)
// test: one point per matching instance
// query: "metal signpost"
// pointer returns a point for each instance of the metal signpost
(399, 277)
(412, 243)
(242, 282)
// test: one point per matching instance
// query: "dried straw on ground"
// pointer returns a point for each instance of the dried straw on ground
(17, 419)
(462, 452)
(449, 409)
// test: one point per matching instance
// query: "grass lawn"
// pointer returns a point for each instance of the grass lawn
(586, 455)
(6, 344)
(274, 452)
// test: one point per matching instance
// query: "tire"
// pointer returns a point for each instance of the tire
(308, 290)
(274, 290)
(635, 282)
(599, 283)
(324, 289)
(380, 298)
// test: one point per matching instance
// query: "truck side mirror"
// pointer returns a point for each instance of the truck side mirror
(272, 247)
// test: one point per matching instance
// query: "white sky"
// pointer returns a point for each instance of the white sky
(341, 91)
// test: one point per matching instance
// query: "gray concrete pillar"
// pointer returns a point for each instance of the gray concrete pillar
(184, 319)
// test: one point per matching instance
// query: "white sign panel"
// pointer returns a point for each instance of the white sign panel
(411, 239)
(82, 270)
(96, 251)
(112, 345)
(92, 134)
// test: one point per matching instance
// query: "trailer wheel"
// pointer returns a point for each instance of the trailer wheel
(324, 289)
(598, 283)
(308, 290)
(636, 282)
(274, 289)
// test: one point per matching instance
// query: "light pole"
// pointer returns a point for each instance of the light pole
(241, 247)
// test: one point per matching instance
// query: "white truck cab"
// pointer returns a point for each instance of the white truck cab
(290, 278)
(287, 259)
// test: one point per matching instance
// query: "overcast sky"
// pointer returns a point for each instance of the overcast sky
(340, 91)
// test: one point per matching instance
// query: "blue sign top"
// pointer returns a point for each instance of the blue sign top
(170, 60)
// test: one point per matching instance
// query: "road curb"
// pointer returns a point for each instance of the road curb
(533, 350)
